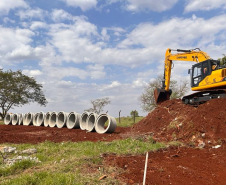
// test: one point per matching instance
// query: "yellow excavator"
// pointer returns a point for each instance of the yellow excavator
(208, 77)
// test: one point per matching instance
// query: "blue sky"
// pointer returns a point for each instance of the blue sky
(81, 50)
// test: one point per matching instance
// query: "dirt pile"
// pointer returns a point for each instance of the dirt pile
(173, 120)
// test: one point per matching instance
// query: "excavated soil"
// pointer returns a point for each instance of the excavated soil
(199, 128)
(174, 166)
(32, 134)
(175, 121)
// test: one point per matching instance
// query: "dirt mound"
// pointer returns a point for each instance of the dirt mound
(173, 120)
(32, 134)
(173, 166)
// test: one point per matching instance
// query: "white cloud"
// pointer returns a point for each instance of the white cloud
(16, 46)
(7, 5)
(143, 5)
(83, 4)
(13, 39)
(37, 24)
(139, 83)
(79, 42)
(104, 34)
(204, 5)
(114, 84)
(60, 72)
(153, 5)
(175, 32)
(32, 13)
(6, 20)
(32, 73)
(96, 71)
(60, 15)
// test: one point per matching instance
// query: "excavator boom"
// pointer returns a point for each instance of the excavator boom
(196, 55)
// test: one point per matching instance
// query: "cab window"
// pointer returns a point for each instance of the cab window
(197, 74)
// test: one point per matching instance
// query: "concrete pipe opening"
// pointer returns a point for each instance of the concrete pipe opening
(105, 124)
(47, 119)
(15, 119)
(8, 119)
(91, 121)
(40, 119)
(83, 122)
(35, 119)
(53, 119)
(28, 119)
(73, 120)
(61, 119)
(21, 119)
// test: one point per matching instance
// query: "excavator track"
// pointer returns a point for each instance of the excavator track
(203, 96)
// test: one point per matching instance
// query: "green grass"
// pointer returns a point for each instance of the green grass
(16, 168)
(128, 121)
(1, 122)
(71, 163)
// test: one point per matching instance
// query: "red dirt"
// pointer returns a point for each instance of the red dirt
(32, 134)
(173, 120)
(174, 166)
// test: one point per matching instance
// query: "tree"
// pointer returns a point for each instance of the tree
(98, 105)
(17, 89)
(223, 60)
(147, 99)
(132, 113)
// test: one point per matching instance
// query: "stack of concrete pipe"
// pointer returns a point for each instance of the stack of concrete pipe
(90, 122)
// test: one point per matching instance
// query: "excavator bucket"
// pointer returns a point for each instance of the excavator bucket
(161, 95)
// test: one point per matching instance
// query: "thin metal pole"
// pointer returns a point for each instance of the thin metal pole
(145, 169)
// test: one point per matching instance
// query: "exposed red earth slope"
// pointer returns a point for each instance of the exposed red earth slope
(173, 120)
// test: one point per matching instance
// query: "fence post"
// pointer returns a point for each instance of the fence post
(134, 115)
(119, 116)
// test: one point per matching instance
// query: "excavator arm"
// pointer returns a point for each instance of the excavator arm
(195, 55)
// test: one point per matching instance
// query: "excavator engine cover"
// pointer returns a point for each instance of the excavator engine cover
(161, 95)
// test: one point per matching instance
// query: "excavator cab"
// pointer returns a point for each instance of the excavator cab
(199, 71)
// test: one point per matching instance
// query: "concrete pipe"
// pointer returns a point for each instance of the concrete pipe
(40, 119)
(15, 119)
(73, 120)
(28, 119)
(105, 124)
(21, 118)
(83, 122)
(35, 119)
(53, 119)
(8, 119)
(91, 121)
(61, 119)
(24, 118)
(47, 118)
